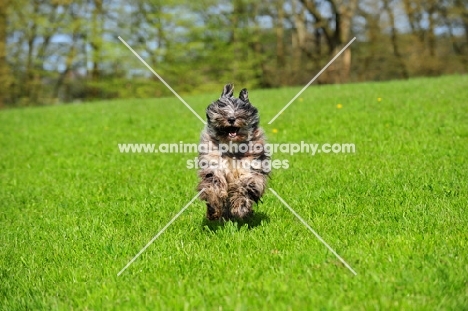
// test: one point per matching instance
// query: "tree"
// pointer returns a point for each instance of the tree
(95, 38)
(336, 28)
(4, 69)
(388, 8)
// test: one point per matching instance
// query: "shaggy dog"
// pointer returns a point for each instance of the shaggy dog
(233, 162)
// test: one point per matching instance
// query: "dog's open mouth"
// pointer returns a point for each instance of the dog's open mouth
(231, 131)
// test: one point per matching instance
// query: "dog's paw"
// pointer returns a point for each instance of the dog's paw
(213, 213)
(241, 207)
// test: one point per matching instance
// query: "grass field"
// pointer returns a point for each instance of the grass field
(74, 210)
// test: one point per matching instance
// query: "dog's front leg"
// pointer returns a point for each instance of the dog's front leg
(215, 193)
(245, 192)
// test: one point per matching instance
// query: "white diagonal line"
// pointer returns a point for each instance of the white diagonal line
(162, 80)
(313, 231)
(303, 89)
(159, 233)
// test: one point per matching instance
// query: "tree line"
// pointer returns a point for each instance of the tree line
(54, 51)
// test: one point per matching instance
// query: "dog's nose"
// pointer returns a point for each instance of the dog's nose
(231, 120)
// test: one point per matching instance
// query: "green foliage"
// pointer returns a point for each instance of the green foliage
(64, 51)
(74, 210)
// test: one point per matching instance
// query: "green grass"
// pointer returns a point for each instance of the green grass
(74, 211)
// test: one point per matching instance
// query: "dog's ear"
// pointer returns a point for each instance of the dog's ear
(228, 90)
(244, 95)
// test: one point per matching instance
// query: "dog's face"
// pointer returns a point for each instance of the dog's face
(232, 119)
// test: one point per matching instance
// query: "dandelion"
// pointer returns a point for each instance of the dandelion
(275, 131)
(300, 99)
(339, 106)
(379, 99)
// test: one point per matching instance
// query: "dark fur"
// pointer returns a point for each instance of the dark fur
(231, 191)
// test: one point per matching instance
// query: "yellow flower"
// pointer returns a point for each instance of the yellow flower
(379, 99)
(339, 106)
(275, 131)
(300, 99)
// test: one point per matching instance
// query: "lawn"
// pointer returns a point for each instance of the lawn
(74, 210)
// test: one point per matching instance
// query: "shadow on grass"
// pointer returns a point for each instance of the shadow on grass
(253, 221)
